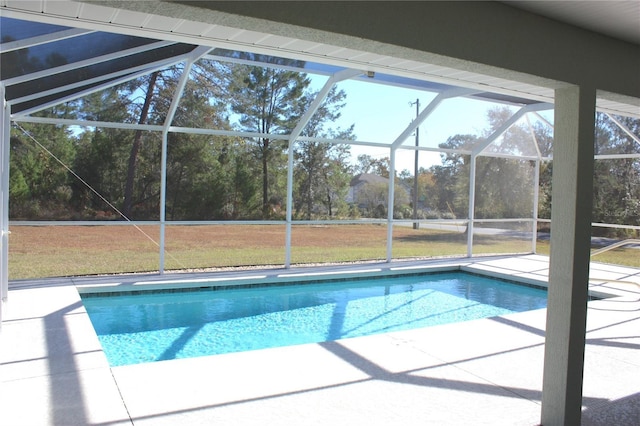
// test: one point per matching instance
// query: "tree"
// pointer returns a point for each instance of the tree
(616, 182)
(39, 186)
(103, 153)
(452, 177)
(544, 137)
(200, 168)
(267, 101)
(377, 166)
(503, 185)
(373, 198)
(427, 190)
(135, 146)
(322, 172)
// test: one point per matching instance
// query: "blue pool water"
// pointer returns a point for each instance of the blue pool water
(161, 326)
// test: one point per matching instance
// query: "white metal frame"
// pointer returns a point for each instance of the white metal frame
(203, 52)
(5, 135)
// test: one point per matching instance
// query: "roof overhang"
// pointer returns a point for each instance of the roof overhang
(177, 24)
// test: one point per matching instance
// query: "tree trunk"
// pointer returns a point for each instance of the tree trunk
(135, 148)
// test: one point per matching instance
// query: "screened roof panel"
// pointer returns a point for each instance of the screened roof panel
(48, 100)
(66, 51)
(16, 29)
(85, 55)
(94, 47)
(95, 57)
(99, 69)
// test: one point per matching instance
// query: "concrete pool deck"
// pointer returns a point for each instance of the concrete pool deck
(482, 372)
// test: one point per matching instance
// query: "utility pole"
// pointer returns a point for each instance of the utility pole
(415, 169)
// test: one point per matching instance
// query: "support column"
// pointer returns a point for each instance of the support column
(536, 202)
(5, 140)
(570, 249)
(289, 230)
(472, 204)
(391, 202)
(163, 201)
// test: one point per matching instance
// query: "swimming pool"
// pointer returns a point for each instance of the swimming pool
(147, 327)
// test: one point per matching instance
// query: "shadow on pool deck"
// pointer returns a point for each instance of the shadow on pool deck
(53, 372)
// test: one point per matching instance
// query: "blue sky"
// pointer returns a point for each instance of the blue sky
(380, 113)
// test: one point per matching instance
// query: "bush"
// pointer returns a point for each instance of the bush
(448, 215)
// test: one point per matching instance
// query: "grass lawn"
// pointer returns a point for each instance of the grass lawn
(50, 251)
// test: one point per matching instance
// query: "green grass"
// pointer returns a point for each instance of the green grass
(36, 252)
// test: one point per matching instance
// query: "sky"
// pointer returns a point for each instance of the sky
(381, 113)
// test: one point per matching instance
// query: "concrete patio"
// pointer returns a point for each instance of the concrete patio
(483, 372)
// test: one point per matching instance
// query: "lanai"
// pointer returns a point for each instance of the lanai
(419, 43)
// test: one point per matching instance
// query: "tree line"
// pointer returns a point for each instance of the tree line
(117, 173)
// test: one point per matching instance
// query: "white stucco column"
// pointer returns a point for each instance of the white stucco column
(570, 250)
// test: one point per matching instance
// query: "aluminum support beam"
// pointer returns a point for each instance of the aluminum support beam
(478, 149)
(536, 189)
(304, 120)
(109, 80)
(289, 214)
(544, 120)
(426, 112)
(616, 156)
(624, 128)
(536, 202)
(155, 66)
(163, 200)
(391, 203)
(85, 63)
(472, 204)
(194, 56)
(86, 123)
(42, 39)
(570, 254)
(5, 140)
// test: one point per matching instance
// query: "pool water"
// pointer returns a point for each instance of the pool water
(162, 326)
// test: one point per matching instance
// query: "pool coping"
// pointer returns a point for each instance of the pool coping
(135, 284)
(55, 371)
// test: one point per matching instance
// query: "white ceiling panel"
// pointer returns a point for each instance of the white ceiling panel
(191, 28)
(324, 50)
(276, 41)
(221, 33)
(129, 18)
(301, 45)
(248, 37)
(28, 5)
(606, 105)
(162, 23)
(62, 8)
(92, 12)
(364, 57)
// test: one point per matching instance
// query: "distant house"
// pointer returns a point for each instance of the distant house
(371, 194)
(363, 183)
